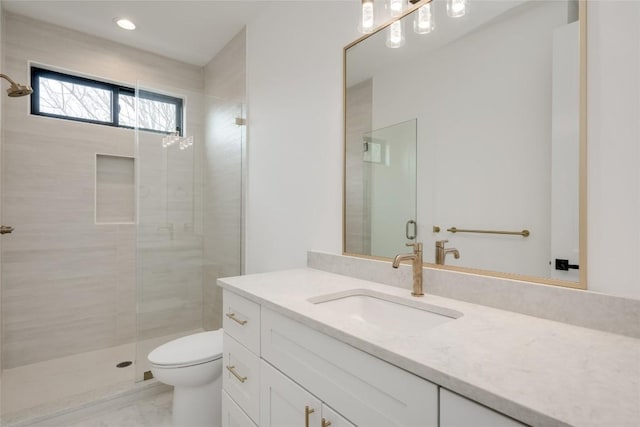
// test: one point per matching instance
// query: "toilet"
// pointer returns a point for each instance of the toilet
(193, 365)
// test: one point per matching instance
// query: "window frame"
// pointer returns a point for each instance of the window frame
(115, 89)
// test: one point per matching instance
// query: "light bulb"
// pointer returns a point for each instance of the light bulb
(125, 24)
(456, 8)
(396, 7)
(423, 22)
(366, 24)
(395, 35)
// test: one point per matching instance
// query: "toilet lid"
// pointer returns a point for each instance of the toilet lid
(190, 350)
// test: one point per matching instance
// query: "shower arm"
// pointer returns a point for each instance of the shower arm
(7, 78)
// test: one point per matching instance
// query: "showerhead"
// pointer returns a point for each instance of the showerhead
(16, 90)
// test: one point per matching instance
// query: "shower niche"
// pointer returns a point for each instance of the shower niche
(115, 189)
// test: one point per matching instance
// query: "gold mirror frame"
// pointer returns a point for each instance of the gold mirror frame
(582, 283)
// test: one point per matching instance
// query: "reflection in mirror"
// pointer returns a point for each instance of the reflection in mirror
(381, 205)
(496, 96)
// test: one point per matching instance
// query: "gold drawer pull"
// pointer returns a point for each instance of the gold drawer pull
(235, 373)
(325, 423)
(307, 411)
(233, 317)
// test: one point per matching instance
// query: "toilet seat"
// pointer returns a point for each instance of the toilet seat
(191, 350)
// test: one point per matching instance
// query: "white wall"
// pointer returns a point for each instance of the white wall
(294, 67)
(295, 103)
(614, 152)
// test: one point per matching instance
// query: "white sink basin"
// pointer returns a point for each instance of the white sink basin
(386, 312)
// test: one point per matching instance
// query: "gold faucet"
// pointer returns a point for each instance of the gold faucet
(416, 258)
(441, 252)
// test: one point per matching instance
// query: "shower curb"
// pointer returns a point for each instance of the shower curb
(66, 416)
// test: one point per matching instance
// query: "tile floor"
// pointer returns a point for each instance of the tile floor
(154, 411)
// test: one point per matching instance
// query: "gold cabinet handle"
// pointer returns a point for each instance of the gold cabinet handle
(325, 423)
(307, 411)
(235, 373)
(233, 317)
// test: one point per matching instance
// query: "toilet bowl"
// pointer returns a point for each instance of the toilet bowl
(193, 365)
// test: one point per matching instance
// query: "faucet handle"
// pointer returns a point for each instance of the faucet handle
(440, 243)
(416, 246)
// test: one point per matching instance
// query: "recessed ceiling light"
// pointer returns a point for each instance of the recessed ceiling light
(124, 23)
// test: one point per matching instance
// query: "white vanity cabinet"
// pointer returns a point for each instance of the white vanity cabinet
(284, 403)
(240, 361)
(281, 373)
(364, 389)
(233, 415)
(457, 411)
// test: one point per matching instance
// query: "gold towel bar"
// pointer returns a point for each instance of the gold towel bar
(523, 233)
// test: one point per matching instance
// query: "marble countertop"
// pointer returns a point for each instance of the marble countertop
(541, 372)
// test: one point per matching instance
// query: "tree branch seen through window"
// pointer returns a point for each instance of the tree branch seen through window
(78, 98)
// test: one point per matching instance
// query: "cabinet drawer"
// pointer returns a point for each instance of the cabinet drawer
(364, 389)
(283, 403)
(232, 415)
(241, 320)
(333, 419)
(241, 376)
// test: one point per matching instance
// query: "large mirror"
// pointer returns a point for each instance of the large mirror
(496, 102)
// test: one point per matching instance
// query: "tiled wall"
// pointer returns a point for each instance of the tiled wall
(69, 284)
(1, 67)
(358, 123)
(169, 252)
(222, 219)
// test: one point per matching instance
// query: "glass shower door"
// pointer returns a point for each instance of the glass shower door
(169, 242)
(189, 221)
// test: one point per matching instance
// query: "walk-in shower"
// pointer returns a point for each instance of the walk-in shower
(118, 239)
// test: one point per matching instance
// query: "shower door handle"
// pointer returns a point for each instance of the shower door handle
(6, 229)
(415, 229)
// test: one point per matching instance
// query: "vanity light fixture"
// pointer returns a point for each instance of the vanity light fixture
(124, 23)
(368, 17)
(424, 18)
(170, 139)
(186, 142)
(396, 7)
(174, 137)
(424, 22)
(395, 35)
(457, 8)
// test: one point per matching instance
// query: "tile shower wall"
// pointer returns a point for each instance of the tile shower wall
(68, 284)
(225, 90)
(358, 122)
(1, 68)
(169, 256)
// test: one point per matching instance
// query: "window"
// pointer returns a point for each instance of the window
(77, 98)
